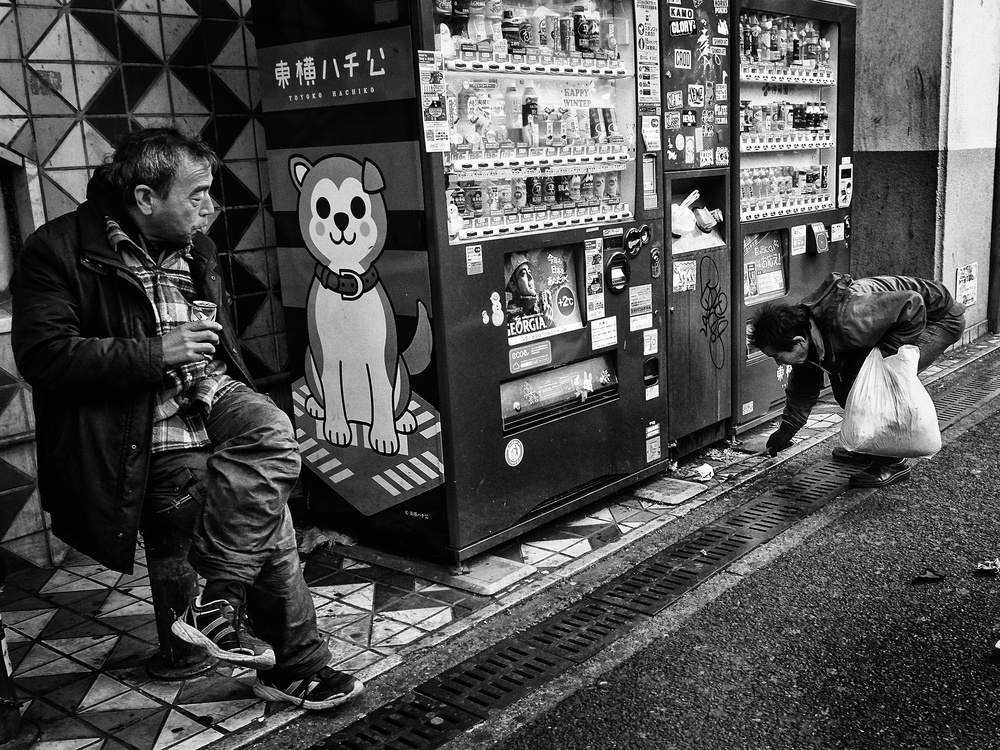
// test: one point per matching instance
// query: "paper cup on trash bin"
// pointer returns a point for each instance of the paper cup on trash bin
(202, 310)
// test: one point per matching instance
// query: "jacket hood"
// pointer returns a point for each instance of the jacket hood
(108, 201)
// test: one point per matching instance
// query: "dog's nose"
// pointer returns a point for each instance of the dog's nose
(341, 220)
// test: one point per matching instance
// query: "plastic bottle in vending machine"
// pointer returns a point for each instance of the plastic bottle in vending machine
(600, 182)
(489, 197)
(613, 187)
(529, 115)
(478, 29)
(443, 7)
(505, 196)
(764, 39)
(782, 52)
(518, 192)
(460, 8)
(575, 188)
(754, 38)
(512, 104)
(812, 46)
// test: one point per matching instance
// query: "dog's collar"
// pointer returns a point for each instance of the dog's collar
(347, 284)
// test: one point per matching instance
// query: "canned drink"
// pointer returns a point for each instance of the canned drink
(581, 29)
(567, 39)
(548, 189)
(597, 131)
(203, 310)
(534, 188)
(563, 189)
(610, 116)
(824, 177)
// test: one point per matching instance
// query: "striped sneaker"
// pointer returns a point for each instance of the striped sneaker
(325, 689)
(223, 631)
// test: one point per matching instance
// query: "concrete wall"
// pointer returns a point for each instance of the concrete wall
(925, 140)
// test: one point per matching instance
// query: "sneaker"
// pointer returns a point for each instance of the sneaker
(325, 689)
(881, 474)
(841, 453)
(223, 631)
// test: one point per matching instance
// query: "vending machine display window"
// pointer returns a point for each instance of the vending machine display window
(763, 267)
(543, 395)
(542, 296)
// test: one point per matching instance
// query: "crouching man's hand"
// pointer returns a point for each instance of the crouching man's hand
(779, 440)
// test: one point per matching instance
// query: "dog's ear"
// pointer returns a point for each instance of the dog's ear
(298, 167)
(371, 177)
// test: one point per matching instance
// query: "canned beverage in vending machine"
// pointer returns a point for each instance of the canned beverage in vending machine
(613, 188)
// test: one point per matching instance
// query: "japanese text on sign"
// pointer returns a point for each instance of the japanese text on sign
(376, 66)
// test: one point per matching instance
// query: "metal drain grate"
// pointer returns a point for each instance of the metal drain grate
(654, 585)
(411, 722)
(581, 630)
(961, 400)
(495, 678)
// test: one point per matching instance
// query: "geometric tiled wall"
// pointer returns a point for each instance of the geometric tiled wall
(77, 74)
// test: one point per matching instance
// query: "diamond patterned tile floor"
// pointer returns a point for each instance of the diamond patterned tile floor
(79, 636)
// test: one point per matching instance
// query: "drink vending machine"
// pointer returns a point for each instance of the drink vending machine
(696, 146)
(468, 209)
(792, 173)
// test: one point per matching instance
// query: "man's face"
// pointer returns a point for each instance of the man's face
(524, 280)
(794, 356)
(186, 207)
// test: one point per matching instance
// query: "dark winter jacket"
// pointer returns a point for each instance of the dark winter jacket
(848, 318)
(84, 338)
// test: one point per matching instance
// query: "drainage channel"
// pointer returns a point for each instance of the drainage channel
(495, 678)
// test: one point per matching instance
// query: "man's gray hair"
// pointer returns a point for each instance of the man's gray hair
(152, 157)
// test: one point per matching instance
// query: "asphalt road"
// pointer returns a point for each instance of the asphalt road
(829, 645)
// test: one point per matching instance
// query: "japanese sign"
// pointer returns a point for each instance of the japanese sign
(370, 67)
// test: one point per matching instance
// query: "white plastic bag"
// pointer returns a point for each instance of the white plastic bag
(888, 411)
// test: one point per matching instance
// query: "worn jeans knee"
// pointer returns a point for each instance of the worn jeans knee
(252, 469)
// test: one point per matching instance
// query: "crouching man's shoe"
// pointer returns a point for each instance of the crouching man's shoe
(325, 689)
(882, 474)
(223, 631)
(840, 453)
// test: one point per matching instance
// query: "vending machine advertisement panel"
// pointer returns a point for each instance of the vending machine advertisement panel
(468, 203)
(793, 176)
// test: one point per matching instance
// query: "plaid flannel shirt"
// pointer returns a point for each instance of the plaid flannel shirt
(188, 391)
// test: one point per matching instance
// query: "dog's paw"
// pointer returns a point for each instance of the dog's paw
(337, 433)
(313, 408)
(407, 423)
(384, 442)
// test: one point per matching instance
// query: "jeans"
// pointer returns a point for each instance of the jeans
(232, 500)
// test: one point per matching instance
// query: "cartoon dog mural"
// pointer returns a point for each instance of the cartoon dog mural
(353, 369)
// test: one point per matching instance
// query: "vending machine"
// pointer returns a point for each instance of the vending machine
(467, 200)
(696, 92)
(792, 172)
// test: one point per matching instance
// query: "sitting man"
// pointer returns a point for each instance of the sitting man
(834, 329)
(145, 415)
